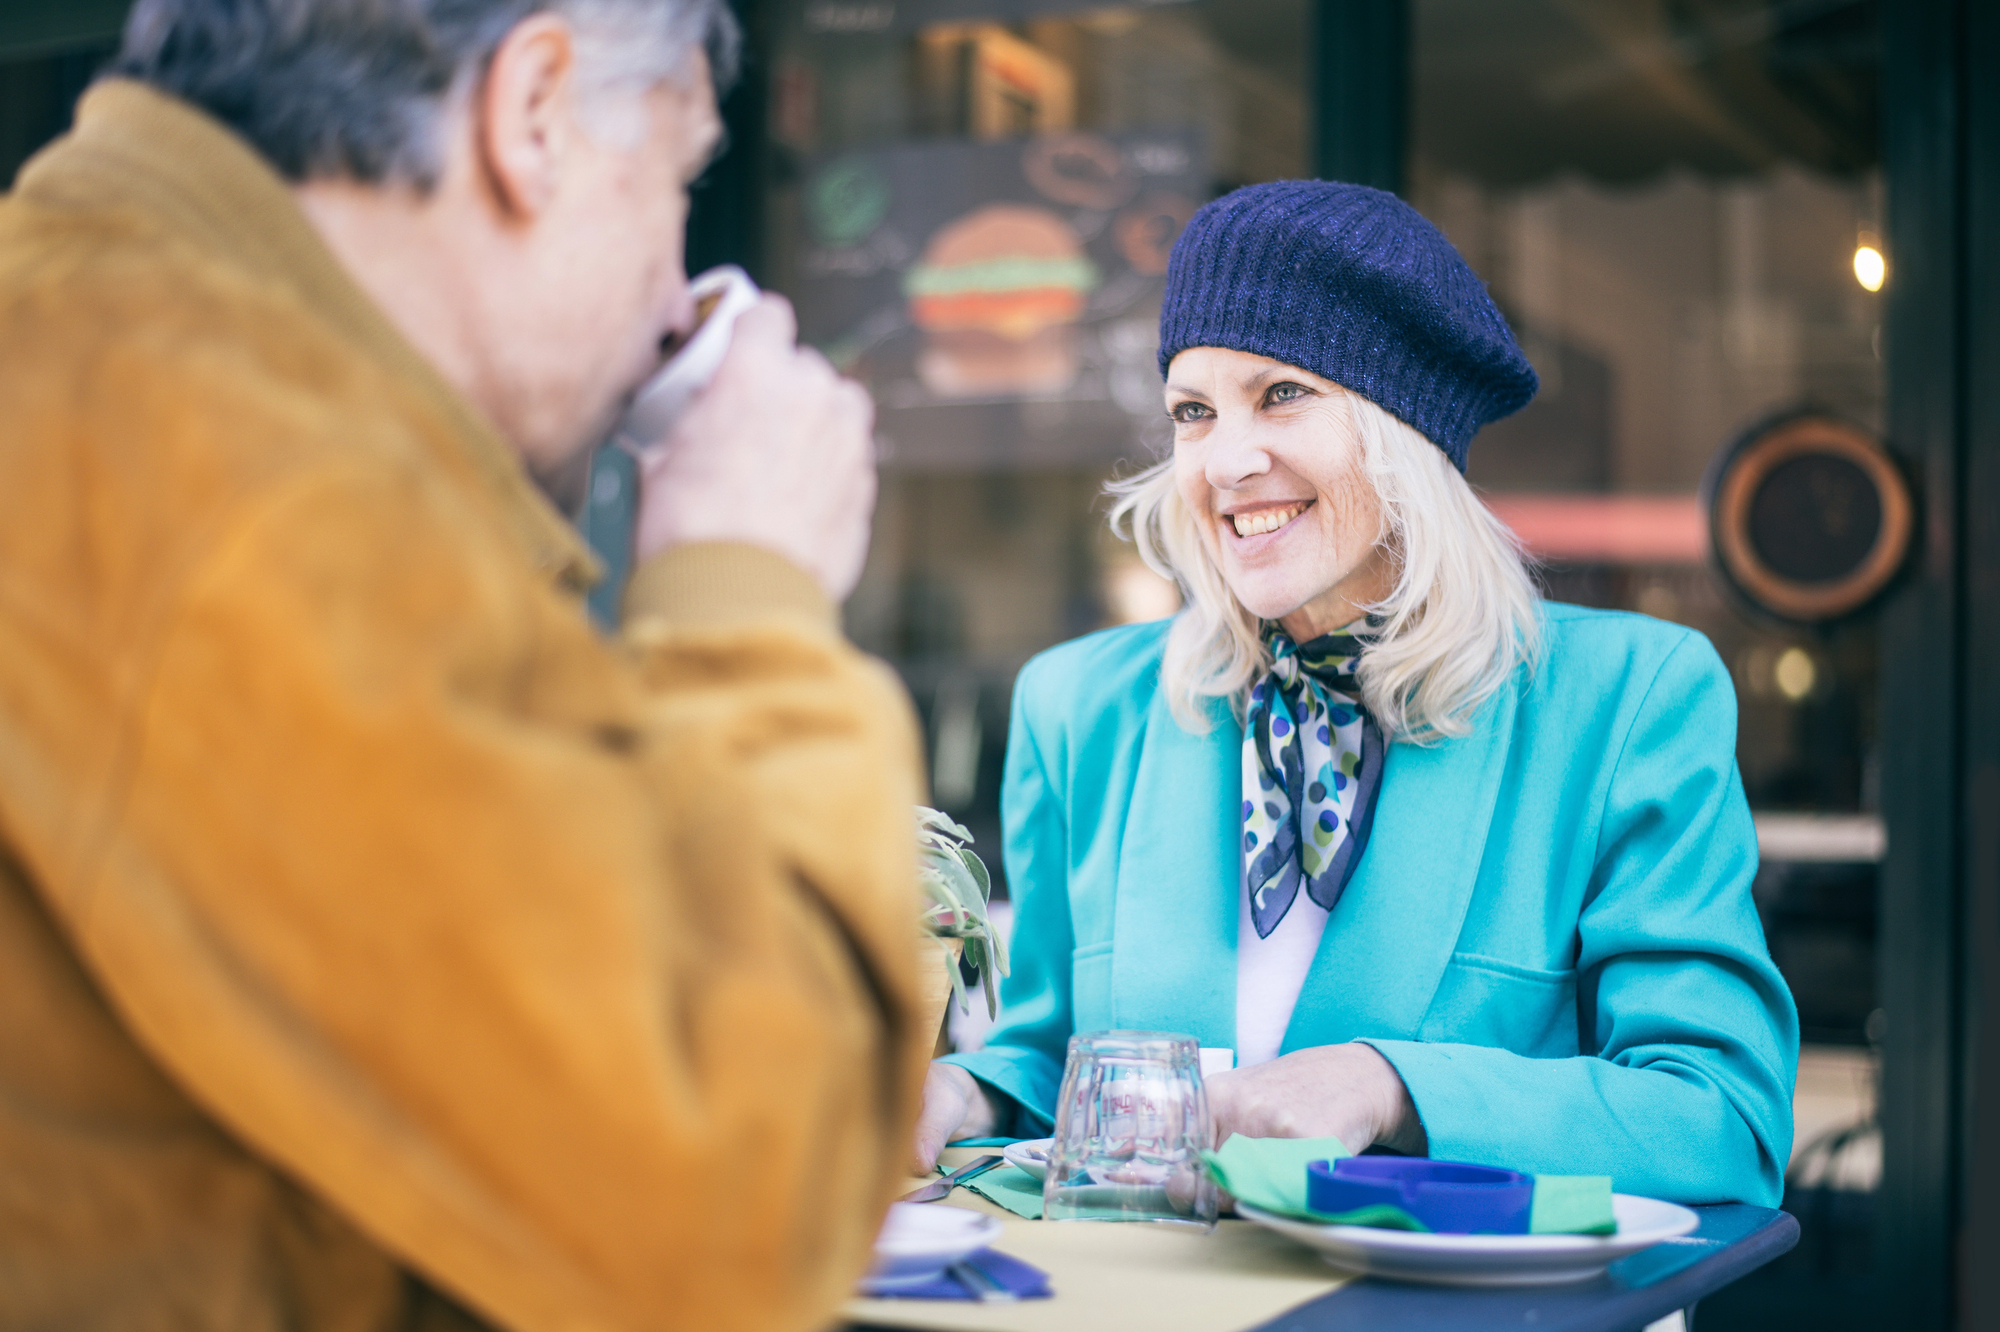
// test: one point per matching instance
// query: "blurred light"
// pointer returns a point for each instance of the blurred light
(955, 743)
(1825, 839)
(1134, 594)
(1870, 267)
(1658, 600)
(1607, 529)
(1795, 673)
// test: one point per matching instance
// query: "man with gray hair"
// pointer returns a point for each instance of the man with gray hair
(381, 945)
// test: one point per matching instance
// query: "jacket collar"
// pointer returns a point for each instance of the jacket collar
(135, 148)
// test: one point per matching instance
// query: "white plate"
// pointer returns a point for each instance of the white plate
(1487, 1260)
(920, 1240)
(1031, 1156)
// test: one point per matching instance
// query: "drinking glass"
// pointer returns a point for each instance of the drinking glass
(1131, 1122)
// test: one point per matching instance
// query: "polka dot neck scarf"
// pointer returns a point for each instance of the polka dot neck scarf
(1312, 762)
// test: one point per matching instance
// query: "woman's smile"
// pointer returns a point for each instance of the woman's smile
(1260, 519)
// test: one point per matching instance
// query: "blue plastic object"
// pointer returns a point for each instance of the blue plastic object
(1449, 1197)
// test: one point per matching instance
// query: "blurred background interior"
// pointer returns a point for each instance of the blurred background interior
(1681, 205)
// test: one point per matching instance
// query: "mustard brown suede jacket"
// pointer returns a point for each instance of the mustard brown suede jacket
(378, 942)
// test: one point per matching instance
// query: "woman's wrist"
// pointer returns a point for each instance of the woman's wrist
(981, 1116)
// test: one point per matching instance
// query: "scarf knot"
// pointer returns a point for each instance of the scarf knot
(1312, 763)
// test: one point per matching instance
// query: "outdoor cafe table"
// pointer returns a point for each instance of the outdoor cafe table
(1243, 1277)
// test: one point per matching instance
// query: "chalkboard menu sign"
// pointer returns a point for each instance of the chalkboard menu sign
(964, 281)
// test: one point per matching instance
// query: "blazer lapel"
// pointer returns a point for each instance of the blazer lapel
(1179, 870)
(1389, 939)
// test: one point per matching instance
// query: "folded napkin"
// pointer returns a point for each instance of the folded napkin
(1010, 1187)
(1270, 1173)
(1024, 1281)
(1572, 1205)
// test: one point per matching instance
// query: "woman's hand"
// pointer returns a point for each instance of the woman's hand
(955, 1106)
(1349, 1091)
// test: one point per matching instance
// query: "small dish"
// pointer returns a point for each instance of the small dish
(919, 1240)
(1487, 1260)
(1031, 1156)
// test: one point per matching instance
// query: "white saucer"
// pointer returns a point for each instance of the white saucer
(1031, 1156)
(1487, 1260)
(920, 1240)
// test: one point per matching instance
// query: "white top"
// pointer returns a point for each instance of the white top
(1270, 973)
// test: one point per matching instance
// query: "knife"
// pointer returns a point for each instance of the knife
(940, 1187)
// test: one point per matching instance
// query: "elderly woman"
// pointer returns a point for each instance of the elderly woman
(1449, 869)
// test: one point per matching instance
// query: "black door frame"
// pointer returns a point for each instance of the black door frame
(1938, 1237)
(1978, 1247)
(1361, 91)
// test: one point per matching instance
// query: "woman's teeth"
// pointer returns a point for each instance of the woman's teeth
(1264, 520)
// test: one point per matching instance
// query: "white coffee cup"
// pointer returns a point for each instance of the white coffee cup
(720, 296)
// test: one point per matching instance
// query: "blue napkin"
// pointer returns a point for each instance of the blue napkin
(1024, 1280)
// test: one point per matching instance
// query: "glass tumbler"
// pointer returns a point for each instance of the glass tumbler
(1131, 1122)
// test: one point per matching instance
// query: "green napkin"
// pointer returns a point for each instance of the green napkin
(1572, 1205)
(1010, 1187)
(1270, 1173)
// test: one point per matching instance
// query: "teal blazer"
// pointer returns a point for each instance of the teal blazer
(1550, 935)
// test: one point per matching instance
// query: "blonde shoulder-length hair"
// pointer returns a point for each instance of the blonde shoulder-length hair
(1463, 615)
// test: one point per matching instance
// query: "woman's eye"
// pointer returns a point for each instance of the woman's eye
(1186, 413)
(1286, 392)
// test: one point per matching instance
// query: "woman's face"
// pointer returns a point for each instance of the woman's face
(1268, 463)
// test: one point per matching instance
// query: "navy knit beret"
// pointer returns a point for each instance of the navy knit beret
(1354, 285)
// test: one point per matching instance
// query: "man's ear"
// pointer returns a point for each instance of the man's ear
(524, 115)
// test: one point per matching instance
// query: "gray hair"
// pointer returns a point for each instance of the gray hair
(356, 88)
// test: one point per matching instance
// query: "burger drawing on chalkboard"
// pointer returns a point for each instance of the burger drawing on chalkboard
(997, 294)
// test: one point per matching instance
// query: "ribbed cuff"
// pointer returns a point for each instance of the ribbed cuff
(726, 582)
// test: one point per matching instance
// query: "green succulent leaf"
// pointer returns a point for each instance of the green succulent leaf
(958, 885)
(977, 869)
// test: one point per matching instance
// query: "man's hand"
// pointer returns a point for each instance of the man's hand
(777, 451)
(1349, 1091)
(955, 1106)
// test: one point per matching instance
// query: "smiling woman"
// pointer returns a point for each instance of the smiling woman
(1449, 869)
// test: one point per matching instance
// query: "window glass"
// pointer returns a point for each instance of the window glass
(972, 206)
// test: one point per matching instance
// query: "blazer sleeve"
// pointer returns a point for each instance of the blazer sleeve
(579, 974)
(1024, 1054)
(1691, 1036)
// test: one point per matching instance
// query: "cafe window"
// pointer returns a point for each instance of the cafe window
(972, 207)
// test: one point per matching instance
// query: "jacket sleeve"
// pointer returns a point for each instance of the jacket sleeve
(1690, 1034)
(579, 974)
(1024, 1053)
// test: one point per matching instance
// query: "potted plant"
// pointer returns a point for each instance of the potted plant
(957, 885)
